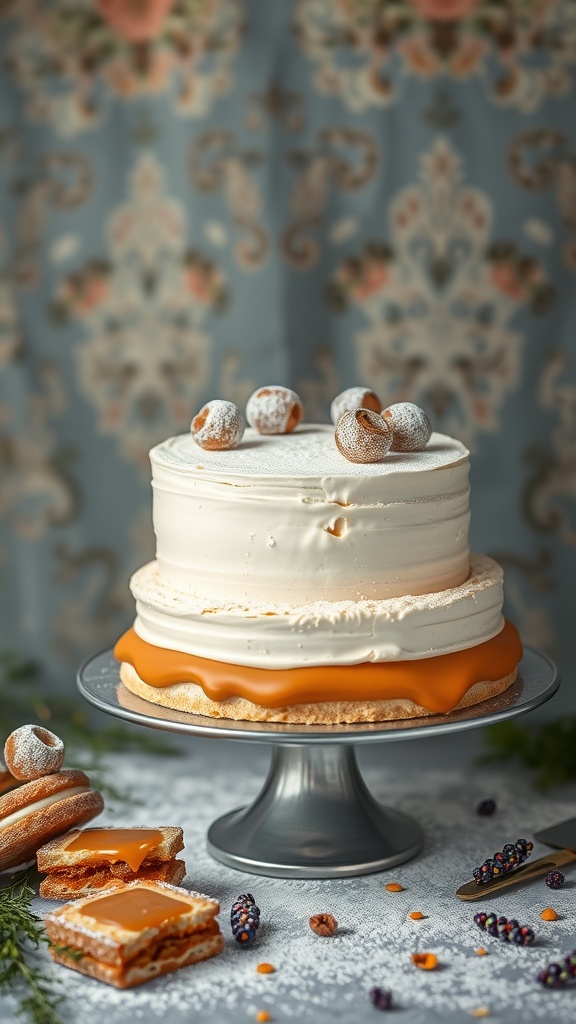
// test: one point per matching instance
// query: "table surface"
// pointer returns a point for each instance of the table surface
(320, 979)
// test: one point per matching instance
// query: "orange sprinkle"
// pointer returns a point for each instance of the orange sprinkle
(425, 961)
(417, 915)
(481, 1011)
(481, 951)
(263, 1015)
(394, 887)
(265, 969)
(549, 914)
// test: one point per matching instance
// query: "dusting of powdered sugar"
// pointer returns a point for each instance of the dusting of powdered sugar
(310, 451)
(327, 980)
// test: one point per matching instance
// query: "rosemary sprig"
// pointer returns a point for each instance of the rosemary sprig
(21, 932)
(547, 748)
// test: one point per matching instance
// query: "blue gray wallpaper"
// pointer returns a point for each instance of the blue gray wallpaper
(201, 196)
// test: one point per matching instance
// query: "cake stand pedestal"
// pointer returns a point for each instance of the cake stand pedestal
(315, 817)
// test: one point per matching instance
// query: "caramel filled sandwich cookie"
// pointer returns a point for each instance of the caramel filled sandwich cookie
(130, 935)
(86, 861)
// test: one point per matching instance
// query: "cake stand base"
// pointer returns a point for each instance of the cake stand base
(315, 817)
(336, 827)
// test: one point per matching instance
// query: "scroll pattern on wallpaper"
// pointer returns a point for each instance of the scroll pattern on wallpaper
(164, 198)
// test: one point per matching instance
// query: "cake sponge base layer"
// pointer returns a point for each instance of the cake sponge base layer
(191, 698)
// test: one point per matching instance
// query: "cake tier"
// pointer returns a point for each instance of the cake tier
(288, 516)
(324, 694)
(281, 635)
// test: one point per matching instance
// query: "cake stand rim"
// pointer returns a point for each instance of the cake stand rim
(527, 693)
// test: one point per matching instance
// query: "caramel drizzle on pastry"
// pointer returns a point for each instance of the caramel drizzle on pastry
(131, 845)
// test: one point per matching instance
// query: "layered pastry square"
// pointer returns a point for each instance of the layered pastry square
(129, 935)
(86, 861)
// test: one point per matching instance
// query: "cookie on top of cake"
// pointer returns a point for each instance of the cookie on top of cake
(315, 574)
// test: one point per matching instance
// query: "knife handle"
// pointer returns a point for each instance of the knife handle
(472, 891)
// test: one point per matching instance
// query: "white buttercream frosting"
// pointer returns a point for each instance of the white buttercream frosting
(289, 518)
(280, 635)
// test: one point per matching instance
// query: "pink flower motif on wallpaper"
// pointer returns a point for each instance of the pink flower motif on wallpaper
(63, 54)
(439, 298)
(525, 51)
(144, 358)
(444, 10)
(136, 21)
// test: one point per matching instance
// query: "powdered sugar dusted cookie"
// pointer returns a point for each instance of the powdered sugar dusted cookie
(363, 436)
(218, 426)
(352, 399)
(274, 410)
(410, 426)
(33, 751)
(39, 810)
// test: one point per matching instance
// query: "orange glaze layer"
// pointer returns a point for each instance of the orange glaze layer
(437, 684)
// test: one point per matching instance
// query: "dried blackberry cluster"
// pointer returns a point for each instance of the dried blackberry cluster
(502, 928)
(245, 919)
(557, 975)
(510, 857)
(554, 879)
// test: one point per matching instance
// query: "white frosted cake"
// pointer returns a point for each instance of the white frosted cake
(291, 584)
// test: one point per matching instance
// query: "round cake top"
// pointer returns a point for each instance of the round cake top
(310, 451)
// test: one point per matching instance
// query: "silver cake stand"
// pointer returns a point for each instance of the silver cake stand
(315, 817)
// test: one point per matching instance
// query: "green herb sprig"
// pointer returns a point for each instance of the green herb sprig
(546, 748)
(21, 932)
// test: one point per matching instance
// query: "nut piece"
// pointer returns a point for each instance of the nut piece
(410, 426)
(218, 426)
(323, 924)
(274, 410)
(352, 399)
(32, 751)
(363, 436)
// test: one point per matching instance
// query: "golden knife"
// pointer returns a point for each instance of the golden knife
(562, 836)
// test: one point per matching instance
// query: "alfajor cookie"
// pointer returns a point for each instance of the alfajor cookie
(127, 936)
(40, 810)
(85, 861)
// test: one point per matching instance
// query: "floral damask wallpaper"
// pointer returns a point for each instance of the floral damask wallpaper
(199, 196)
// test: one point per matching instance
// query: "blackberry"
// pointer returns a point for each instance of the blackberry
(502, 928)
(557, 975)
(554, 879)
(486, 807)
(245, 919)
(381, 998)
(510, 857)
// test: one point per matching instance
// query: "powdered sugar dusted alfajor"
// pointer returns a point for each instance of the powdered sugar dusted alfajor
(362, 436)
(218, 426)
(33, 751)
(274, 410)
(354, 398)
(410, 426)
